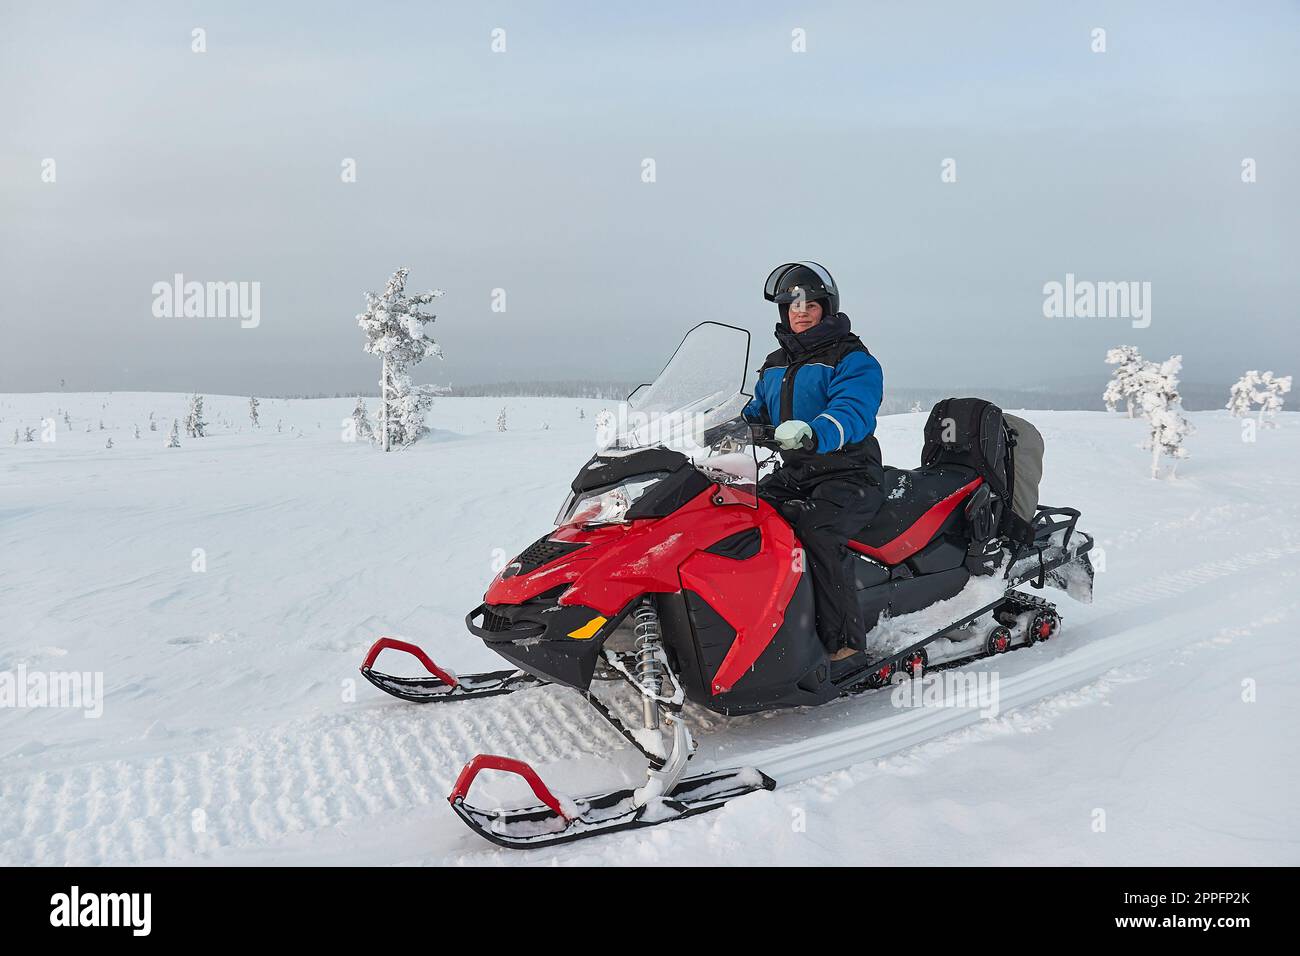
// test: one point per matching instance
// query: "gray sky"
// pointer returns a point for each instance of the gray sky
(522, 171)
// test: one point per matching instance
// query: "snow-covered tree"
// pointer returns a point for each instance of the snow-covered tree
(394, 323)
(101, 424)
(137, 431)
(1268, 394)
(153, 425)
(15, 436)
(67, 422)
(605, 423)
(1242, 395)
(30, 435)
(194, 422)
(1162, 405)
(1259, 388)
(1124, 381)
(408, 406)
(501, 421)
(279, 427)
(252, 411)
(174, 439)
(109, 443)
(581, 415)
(361, 421)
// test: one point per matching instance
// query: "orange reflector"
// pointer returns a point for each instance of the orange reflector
(588, 630)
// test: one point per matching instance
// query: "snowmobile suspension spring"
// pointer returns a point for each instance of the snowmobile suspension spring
(649, 666)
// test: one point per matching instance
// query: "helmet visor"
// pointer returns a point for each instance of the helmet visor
(772, 288)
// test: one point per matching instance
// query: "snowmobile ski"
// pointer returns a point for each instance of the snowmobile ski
(562, 819)
(442, 684)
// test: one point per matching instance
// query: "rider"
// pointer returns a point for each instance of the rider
(822, 390)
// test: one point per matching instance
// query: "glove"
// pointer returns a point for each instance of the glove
(795, 434)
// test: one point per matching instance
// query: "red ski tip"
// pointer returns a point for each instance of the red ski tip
(392, 643)
(509, 765)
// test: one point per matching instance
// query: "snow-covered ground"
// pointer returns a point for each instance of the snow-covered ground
(1158, 728)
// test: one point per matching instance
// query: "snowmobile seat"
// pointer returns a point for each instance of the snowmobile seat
(918, 503)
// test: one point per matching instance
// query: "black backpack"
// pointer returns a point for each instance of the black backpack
(974, 433)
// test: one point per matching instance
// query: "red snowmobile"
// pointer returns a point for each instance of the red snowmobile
(669, 578)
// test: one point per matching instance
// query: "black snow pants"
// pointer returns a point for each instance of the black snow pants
(825, 512)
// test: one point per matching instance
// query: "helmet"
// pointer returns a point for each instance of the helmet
(806, 280)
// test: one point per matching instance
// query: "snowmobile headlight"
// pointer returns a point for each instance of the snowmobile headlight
(606, 505)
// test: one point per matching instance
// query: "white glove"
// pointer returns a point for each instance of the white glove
(794, 434)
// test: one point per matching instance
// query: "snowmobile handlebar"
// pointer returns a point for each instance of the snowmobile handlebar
(764, 436)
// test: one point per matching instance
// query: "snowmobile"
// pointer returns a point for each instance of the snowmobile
(668, 576)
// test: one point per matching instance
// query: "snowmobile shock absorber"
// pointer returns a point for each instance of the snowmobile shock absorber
(649, 666)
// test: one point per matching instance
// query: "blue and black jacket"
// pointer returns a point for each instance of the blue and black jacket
(827, 378)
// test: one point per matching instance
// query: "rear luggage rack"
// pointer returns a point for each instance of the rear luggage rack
(1048, 520)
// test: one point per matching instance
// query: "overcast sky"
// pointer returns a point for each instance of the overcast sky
(522, 171)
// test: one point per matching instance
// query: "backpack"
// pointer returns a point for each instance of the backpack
(974, 433)
(1027, 463)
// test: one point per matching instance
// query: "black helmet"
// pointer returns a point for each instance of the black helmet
(806, 280)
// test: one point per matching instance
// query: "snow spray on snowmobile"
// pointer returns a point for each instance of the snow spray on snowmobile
(669, 578)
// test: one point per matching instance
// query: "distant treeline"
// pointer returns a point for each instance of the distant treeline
(1195, 397)
(610, 391)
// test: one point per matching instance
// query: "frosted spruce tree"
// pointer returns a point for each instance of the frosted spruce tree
(1268, 393)
(252, 411)
(1124, 381)
(194, 423)
(1242, 395)
(1162, 405)
(394, 323)
(174, 439)
(501, 421)
(361, 426)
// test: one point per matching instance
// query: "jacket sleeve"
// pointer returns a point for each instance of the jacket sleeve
(852, 402)
(755, 410)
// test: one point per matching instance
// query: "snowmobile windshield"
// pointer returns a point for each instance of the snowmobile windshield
(694, 407)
